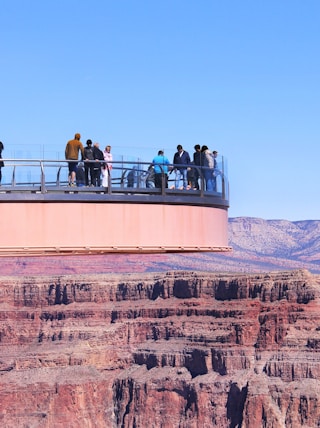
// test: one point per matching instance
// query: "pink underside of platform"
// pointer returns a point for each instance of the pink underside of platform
(111, 226)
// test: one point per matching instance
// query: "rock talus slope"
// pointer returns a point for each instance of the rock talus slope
(176, 349)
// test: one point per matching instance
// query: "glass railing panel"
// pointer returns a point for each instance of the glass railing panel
(125, 173)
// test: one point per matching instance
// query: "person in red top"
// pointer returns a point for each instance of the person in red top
(73, 148)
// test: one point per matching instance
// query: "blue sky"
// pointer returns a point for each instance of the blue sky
(241, 77)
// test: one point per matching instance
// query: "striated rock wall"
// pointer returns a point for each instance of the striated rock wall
(178, 349)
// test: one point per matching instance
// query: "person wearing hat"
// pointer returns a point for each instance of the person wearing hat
(72, 150)
(88, 164)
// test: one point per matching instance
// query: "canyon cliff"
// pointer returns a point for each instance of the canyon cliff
(176, 349)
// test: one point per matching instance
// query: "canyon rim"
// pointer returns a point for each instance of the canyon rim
(170, 349)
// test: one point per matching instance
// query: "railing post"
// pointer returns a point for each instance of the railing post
(58, 177)
(109, 182)
(163, 182)
(202, 182)
(223, 190)
(43, 179)
(14, 176)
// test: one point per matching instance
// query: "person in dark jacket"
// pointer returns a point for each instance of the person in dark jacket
(181, 160)
(1, 161)
(197, 163)
(150, 178)
(99, 163)
(131, 177)
(80, 175)
(88, 166)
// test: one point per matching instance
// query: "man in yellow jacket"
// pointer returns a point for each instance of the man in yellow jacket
(73, 148)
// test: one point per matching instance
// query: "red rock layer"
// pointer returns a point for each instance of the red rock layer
(181, 349)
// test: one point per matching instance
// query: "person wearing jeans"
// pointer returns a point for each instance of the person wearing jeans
(207, 167)
(181, 160)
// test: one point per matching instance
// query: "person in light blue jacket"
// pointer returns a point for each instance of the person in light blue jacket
(160, 163)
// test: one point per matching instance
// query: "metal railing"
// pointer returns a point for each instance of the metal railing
(43, 176)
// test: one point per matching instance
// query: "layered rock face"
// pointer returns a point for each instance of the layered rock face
(178, 349)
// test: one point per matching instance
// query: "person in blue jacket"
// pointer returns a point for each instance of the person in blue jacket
(160, 163)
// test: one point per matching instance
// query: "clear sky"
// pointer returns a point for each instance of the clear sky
(241, 76)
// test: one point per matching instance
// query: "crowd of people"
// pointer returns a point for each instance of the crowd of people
(188, 173)
(96, 165)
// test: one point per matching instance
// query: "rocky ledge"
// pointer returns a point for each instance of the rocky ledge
(178, 349)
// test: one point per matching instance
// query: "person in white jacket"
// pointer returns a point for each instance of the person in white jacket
(106, 171)
(208, 167)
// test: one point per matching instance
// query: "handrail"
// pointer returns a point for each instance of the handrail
(51, 172)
